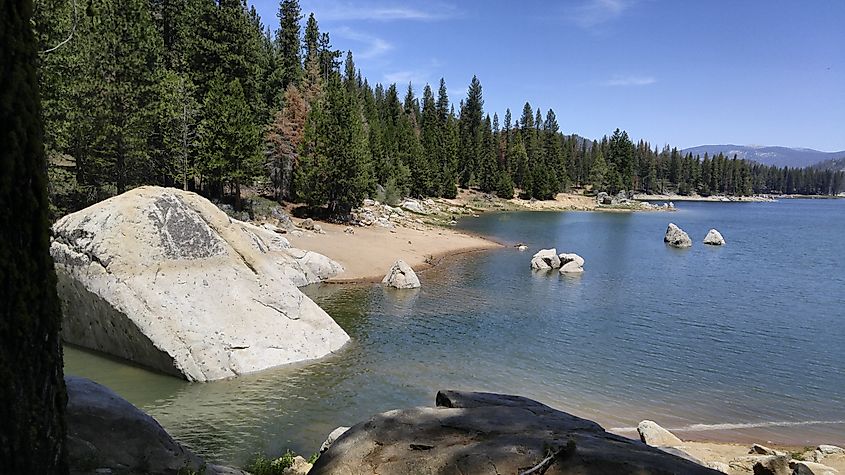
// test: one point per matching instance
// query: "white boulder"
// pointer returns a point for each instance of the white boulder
(676, 237)
(652, 434)
(162, 277)
(401, 276)
(413, 206)
(571, 263)
(714, 238)
(545, 259)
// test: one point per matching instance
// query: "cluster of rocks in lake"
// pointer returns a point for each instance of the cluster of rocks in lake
(759, 460)
(164, 278)
(677, 237)
(548, 259)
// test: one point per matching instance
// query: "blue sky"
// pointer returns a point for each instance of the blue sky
(686, 73)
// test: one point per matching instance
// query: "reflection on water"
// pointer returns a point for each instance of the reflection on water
(750, 334)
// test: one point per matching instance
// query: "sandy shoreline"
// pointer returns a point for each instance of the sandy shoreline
(367, 254)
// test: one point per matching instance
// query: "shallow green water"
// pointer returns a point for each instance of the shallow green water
(743, 342)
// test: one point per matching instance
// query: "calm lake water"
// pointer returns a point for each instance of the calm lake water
(744, 342)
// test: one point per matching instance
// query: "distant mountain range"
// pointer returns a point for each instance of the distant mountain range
(836, 164)
(780, 156)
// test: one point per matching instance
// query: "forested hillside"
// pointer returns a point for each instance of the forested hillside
(199, 94)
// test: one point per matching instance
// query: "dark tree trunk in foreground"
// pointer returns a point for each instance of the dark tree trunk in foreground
(32, 391)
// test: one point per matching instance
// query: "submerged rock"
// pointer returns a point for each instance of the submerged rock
(490, 433)
(571, 263)
(714, 238)
(162, 277)
(401, 276)
(652, 434)
(545, 259)
(676, 237)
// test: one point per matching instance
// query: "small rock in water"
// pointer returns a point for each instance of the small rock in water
(676, 237)
(714, 238)
(401, 276)
(652, 434)
(521, 247)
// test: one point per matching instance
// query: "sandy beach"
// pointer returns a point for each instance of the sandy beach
(367, 254)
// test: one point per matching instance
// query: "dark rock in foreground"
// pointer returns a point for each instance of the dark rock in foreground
(106, 431)
(107, 434)
(480, 433)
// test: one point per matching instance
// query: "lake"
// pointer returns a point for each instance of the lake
(744, 342)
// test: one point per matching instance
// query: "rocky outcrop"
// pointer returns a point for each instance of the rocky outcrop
(401, 276)
(490, 433)
(545, 259)
(714, 238)
(676, 237)
(652, 434)
(163, 278)
(104, 431)
(571, 263)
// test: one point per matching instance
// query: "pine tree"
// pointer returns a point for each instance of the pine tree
(470, 133)
(288, 44)
(598, 171)
(228, 140)
(284, 137)
(488, 168)
(336, 159)
(32, 434)
(173, 138)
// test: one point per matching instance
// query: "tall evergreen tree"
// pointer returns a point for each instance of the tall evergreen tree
(288, 44)
(470, 133)
(32, 434)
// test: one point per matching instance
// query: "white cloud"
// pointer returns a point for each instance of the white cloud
(417, 78)
(595, 12)
(373, 45)
(624, 81)
(333, 10)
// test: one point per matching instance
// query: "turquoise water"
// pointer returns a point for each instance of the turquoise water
(744, 342)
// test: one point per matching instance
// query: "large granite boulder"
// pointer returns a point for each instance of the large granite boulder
(714, 238)
(401, 276)
(163, 278)
(104, 431)
(571, 263)
(483, 433)
(676, 237)
(545, 259)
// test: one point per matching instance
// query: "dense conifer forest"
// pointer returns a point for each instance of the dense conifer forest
(200, 94)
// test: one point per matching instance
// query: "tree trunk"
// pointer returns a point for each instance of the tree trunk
(32, 428)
